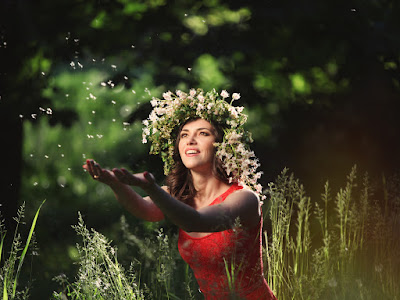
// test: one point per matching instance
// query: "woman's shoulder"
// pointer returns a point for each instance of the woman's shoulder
(243, 193)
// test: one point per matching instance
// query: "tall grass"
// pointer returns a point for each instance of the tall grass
(11, 267)
(341, 247)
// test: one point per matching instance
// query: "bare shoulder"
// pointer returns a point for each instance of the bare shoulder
(245, 196)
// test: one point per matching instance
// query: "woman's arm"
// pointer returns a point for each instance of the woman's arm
(243, 205)
(142, 208)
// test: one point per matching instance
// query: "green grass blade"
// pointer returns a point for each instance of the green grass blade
(1, 245)
(21, 260)
(5, 295)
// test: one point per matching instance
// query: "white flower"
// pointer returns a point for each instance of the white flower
(167, 95)
(235, 96)
(192, 92)
(224, 94)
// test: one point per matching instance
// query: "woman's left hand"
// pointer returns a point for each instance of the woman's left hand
(143, 180)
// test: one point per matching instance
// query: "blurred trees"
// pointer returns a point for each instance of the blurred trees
(320, 82)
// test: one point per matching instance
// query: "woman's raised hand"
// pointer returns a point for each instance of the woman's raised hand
(100, 174)
(143, 180)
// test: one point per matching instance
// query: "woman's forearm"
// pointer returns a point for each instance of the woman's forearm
(142, 208)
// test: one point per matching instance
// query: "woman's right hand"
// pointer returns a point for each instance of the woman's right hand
(100, 174)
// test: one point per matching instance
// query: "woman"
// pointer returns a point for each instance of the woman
(212, 193)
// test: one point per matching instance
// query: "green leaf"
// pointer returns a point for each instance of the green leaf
(21, 260)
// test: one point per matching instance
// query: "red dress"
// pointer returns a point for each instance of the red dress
(235, 252)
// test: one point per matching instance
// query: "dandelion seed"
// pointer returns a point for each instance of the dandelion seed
(113, 102)
(126, 123)
(189, 69)
(59, 146)
(72, 64)
(43, 74)
(186, 15)
(46, 156)
(90, 136)
(34, 116)
(80, 65)
(133, 91)
(31, 155)
(90, 123)
(49, 111)
(35, 183)
(92, 96)
(62, 155)
(93, 111)
(146, 90)
(126, 77)
(114, 67)
(21, 116)
(133, 46)
(76, 40)
(67, 95)
(114, 120)
(42, 109)
(99, 136)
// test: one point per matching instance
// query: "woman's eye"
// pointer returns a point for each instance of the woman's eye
(204, 133)
(183, 135)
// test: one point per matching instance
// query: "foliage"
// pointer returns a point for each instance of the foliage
(355, 253)
(100, 275)
(12, 266)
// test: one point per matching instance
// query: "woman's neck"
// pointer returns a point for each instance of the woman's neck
(208, 187)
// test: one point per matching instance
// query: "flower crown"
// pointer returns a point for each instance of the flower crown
(168, 114)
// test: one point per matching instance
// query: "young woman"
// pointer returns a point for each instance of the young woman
(212, 193)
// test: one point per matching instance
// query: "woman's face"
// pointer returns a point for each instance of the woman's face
(196, 145)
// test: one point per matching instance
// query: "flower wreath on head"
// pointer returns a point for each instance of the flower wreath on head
(168, 114)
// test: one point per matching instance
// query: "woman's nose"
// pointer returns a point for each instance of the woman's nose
(191, 140)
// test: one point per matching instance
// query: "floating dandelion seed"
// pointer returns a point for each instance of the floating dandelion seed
(34, 116)
(114, 120)
(126, 123)
(67, 95)
(189, 69)
(46, 156)
(114, 67)
(133, 91)
(113, 102)
(42, 109)
(21, 116)
(92, 96)
(103, 84)
(186, 15)
(31, 155)
(90, 123)
(59, 146)
(83, 155)
(80, 65)
(133, 46)
(93, 111)
(126, 77)
(89, 136)
(43, 73)
(147, 91)
(62, 155)
(35, 183)
(99, 136)
(49, 111)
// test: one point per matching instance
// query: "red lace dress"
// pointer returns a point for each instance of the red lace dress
(234, 252)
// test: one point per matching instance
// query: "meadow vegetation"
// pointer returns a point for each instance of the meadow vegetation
(342, 246)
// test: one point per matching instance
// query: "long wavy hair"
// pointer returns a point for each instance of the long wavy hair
(180, 181)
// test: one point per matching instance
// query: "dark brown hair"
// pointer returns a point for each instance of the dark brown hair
(180, 181)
